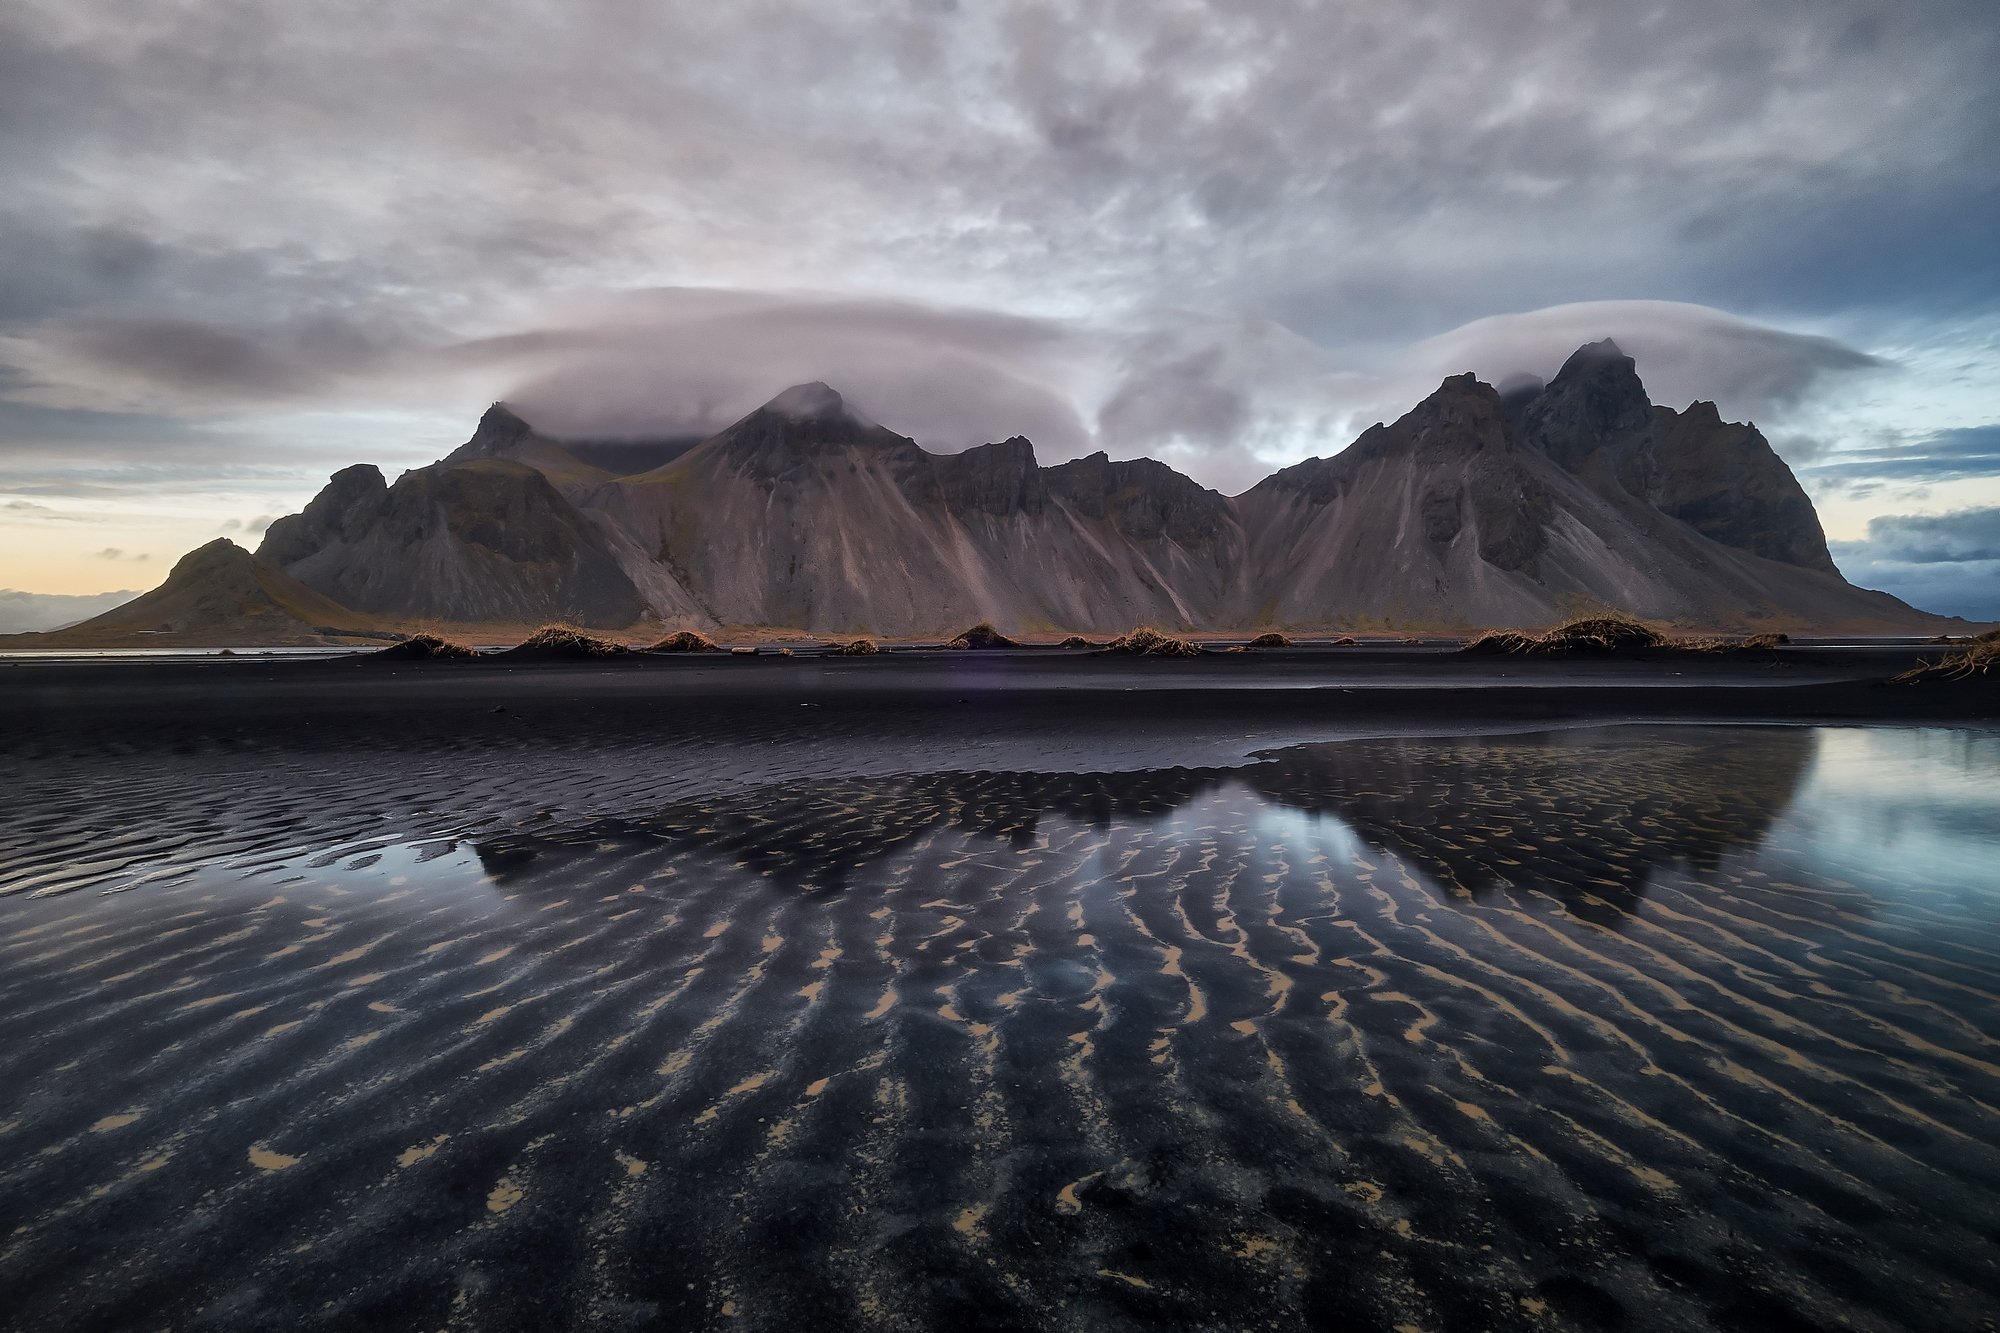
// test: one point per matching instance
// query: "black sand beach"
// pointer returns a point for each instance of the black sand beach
(1374, 989)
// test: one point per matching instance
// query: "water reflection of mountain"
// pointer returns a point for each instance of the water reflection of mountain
(814, 833)
(1584, 816)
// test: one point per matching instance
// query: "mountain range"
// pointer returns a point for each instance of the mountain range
(1476, 508)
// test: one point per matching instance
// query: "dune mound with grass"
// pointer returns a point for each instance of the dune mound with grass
(855, 648)
(1146, 641)
(1590, 636)
(983, 635)
(1979, 661)
(563, 643)
(1078, 641)
(685, 641)
(1607, 636)
(1272, 639)
(1347, 641)
(424, 648)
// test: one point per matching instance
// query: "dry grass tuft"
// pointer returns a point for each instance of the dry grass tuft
(1146, 641)
(1271, 640)
(685, 641)
(1981, 660)
(565, 643)
(424, 648)
(1592, 636)
(983, 635)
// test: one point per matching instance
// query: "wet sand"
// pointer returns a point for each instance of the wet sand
(968, 994)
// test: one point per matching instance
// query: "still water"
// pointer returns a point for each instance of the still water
(1630, 1027)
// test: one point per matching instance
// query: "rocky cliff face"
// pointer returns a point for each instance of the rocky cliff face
(1720, 478)
(485, 539)
(1475, 508)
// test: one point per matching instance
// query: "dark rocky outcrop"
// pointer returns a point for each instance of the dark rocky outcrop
(1721, 479)
(981, 636)
(482, 540)
(1141, 497)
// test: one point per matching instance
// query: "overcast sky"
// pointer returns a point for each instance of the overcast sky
(243, 244)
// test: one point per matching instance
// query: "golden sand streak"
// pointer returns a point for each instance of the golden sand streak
(1066, 1197)
(816, 1087)
(112, 1122)
(1729, 1067)
(1197, 1002)
(353, 954)
(1126, 1278)
(633, 1166)
(265, 1160)
(422, 1152)
(967, 1223)
(504, 1196)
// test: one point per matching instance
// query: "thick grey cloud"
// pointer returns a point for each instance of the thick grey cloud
(1934, 539)
(688, 361)
(1224, 233)
(1348, 165)
(1945, 562)
(1945, 456)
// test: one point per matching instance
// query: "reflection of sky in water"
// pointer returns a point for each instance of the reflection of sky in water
(1896, 805)
(1306, 829)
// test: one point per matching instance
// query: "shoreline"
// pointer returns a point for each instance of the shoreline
(929, 699)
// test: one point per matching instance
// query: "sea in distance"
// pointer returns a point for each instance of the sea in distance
(1623, 1026)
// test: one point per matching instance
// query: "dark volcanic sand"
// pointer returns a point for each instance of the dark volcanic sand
(1017, 992)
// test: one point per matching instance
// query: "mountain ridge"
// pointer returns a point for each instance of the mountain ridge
(1476, 508)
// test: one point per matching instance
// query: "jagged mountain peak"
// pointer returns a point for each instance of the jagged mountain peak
(1595, 402)
(813, 401)
(1603, 352)
(499, 427)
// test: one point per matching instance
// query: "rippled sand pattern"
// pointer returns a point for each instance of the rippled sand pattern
(1532, 1032)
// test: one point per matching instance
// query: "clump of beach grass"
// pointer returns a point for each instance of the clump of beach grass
(982, 635)
(1272, 639)
(1605, 636)
(1980, 660)
(686, 641)
(857, 648)
(1590, 636)
(558, 642)
(1078, 641)
(1145, 641)
(424, 648)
